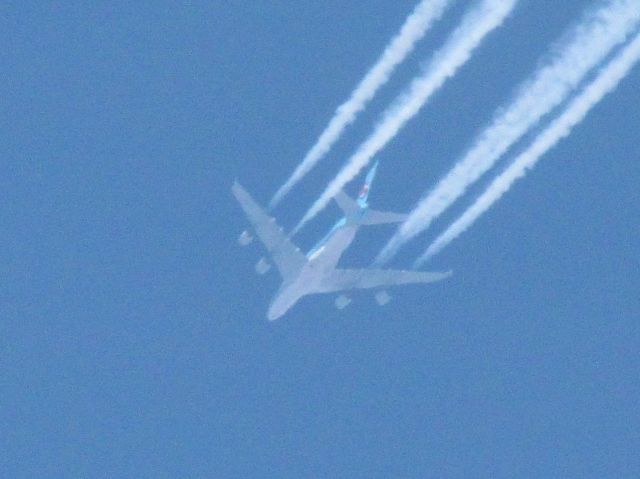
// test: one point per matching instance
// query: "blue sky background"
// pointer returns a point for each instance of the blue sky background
(133, 337)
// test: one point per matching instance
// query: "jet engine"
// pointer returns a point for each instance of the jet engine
(342, 301)
(382, 297)
(262, 266)
(245, 238)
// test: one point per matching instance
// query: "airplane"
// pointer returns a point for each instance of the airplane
(316, 272)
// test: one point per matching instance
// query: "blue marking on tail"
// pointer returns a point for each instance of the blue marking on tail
(364, 192)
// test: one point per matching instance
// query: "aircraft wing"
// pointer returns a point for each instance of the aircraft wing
(287, 257)
(344, 279)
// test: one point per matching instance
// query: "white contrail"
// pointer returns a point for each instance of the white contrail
(606, 81)
(415, 26)
(476, 24)
(587, 47)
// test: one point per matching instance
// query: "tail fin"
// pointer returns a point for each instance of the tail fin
(350, 206)
(359, 212)
(364, 192)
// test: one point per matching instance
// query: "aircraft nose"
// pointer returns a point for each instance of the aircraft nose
(273, 314)
(281, 305)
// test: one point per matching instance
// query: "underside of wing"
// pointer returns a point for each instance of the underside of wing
(286, 256)
(345, 279)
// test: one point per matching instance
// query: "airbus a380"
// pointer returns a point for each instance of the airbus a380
(316, 272)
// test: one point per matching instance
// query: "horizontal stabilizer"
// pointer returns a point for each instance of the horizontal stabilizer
(373, 217)
(365, 216)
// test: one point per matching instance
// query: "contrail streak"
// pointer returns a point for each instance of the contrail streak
(588, 45)
(606, 81)
(476, 24)
(415, 26)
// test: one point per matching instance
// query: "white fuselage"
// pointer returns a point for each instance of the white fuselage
(319, 265)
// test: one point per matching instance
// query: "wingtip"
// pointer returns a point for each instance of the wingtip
(237, 187)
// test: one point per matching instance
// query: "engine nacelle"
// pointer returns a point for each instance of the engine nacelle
(382, 297)
(262, 266)
(342, 301)
(245, 238)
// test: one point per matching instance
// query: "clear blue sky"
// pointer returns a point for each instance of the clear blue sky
(133, 338)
